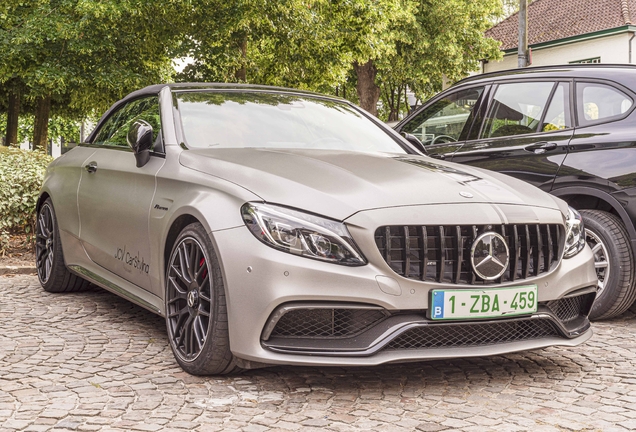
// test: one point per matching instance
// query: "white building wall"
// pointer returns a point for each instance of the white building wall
(611, 49)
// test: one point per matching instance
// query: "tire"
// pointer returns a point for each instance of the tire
(49, 257)
(196, 312)
(614, 261)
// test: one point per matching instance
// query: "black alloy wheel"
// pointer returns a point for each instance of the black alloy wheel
(613, 261)
(188, 298)
(196, 313)
(49, 257)
(44, 243)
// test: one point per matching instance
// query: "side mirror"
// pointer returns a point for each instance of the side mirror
(140, 140)
(415, 142)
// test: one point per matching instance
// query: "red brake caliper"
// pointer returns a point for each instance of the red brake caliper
(205, 272)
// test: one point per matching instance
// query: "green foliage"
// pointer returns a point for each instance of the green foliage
(295, 43)
(313, 45)
(86, 54)
(59, 127)
(64, 128)
(21, 174)
(446, 43)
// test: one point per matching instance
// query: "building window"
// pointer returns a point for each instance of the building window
(590, 60)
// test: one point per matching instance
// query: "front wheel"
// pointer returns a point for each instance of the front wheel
(614, 263)
(196, 313)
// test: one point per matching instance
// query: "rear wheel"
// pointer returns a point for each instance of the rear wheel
(49, 257)
(614, 263)
(196, 313)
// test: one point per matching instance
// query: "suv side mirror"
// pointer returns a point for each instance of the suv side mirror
(415, 142)
(140, 140)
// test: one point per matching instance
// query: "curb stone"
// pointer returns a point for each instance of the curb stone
(7, 269)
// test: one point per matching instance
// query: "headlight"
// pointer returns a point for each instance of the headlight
(302, 234)
(575, 233)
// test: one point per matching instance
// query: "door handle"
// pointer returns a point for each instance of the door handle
(91, 167)
(439, 156)
(541, 147)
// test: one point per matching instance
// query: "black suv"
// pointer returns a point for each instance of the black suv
(571, 131)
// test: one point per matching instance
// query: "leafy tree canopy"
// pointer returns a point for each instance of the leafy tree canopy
(72, 57)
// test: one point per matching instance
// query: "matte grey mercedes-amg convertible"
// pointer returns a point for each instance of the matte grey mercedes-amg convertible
(275, 226)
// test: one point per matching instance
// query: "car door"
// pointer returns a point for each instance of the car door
(443, 124)
(114, 195)
(525, 132)
(601, 152)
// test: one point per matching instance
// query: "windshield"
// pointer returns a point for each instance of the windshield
(271, 120)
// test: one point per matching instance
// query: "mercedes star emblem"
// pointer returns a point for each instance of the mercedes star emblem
(489, 256)
(192, 298)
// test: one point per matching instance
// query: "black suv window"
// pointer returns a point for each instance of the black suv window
(599, 102)
(517, 109)
(115, 129)
(447, 119)
(558, 115)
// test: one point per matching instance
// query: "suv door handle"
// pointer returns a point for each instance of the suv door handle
(541, 147)
(91, 167)
(439, 156)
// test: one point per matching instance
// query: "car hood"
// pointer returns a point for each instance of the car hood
(339, 184)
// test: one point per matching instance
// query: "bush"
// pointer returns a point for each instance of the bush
(21, 175)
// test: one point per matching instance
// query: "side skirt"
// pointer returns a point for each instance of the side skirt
(132, 293)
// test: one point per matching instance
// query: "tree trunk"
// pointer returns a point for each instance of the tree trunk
(12, 117)
(394, 103)
(41, 124)
(368, 91)
(406, 101)
(241, 73)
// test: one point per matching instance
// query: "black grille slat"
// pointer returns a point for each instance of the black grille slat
(441, 258)
(517, 253)
(528, 254)
(538, 253)
(459, 250)
(407, 252)
(473, 334)
(387, 238)
(473, 275)
(442, 253)
(424, 252)
(549, 247)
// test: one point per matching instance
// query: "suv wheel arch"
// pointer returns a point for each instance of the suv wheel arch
(575, 196)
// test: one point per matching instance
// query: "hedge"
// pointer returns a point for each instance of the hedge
(21, 175)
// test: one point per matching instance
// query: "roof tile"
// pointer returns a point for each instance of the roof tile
(557, 19)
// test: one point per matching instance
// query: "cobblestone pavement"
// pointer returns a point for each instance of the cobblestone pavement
(92, 361)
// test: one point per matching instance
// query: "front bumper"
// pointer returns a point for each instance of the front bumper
(260, 280)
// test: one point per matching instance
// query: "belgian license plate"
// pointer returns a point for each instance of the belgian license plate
(483, 303)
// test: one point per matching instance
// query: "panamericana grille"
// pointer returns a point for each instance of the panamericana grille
(473, 334)
(569, 308)
(327, 323)
(442, 253)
